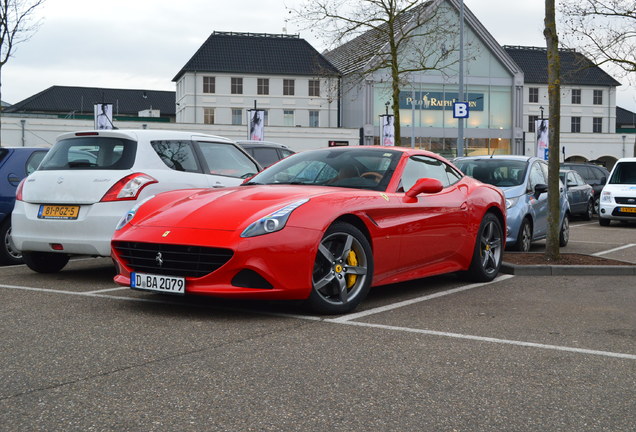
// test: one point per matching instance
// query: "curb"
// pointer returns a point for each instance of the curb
(567, 270)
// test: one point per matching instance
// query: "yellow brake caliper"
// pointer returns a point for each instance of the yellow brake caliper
(352, 260)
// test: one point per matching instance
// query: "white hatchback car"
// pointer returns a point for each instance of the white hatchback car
(89, 180)
(618, 197)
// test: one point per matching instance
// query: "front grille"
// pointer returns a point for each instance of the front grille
(625, 200)
(172, 260)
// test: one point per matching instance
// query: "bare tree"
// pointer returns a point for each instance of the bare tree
(603, 30)
(374, 35)
(17, 25)
(554, 101)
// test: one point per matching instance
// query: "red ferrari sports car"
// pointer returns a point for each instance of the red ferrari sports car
(322, 225)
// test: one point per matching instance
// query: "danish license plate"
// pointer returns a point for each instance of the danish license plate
(627, 209)
(58, 212)
(158, 283)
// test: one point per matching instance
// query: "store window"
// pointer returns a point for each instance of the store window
(237, 116)
(288, 118)
(314, 118)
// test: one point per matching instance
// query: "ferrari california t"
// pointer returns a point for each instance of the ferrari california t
(322, 226)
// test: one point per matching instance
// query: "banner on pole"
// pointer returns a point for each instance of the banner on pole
(256, 125)
(387, 132)
(103, 113)
(541, 128)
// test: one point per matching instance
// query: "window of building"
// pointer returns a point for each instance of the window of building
(576, 96)
(288, 87)
(314, 88)
(209, 84)
(575, 124)
(314, 118)
(288, 118)
(597, 125)
(208, 115)
(598, 97)
(237, 116)
(531, 123)
(237, 86)
(262, 86)
(533, 94)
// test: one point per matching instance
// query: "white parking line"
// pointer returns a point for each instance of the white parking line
(381, 309)
(348, 319)
(614, 250)
(107, 290)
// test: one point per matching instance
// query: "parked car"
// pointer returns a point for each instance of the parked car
(266, 152)
(594, 175)
(580, 194)
(524, 181)
(618, 198)
(15, 164)
(321, 226)
(88, 180)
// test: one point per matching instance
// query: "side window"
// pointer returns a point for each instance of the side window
(265, 156)
(284, 153)
(33, 162)
(537, 176)
(579, 180)
(227, 160)
(418, 167)
(177, 155)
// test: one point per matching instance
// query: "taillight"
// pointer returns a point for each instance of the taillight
(128, 188)
(18, 191)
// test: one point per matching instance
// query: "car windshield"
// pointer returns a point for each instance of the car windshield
(495, 171)
(624, 173)
(96, 153)
(351, 168)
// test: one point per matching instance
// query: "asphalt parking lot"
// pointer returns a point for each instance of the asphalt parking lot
(523, 353)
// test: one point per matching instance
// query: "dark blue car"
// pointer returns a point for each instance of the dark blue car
(15, 164)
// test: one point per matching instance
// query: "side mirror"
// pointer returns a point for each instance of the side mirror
(423, 185)
(539, 189)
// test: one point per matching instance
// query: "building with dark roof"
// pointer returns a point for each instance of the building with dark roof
(281, 74)
(588, 103)
(78, 103)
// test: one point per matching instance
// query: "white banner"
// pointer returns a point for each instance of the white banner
(387, 134)
(103, 113)
(541, 131)
(256, 123)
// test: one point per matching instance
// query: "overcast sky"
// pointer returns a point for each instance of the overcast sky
(142, 44)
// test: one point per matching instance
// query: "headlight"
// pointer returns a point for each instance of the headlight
(272, 222)
(606, 197)
(511, 202)
(131, 214)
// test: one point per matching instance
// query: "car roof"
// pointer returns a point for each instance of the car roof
(147, 134)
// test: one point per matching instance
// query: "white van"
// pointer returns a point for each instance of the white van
(618, 198)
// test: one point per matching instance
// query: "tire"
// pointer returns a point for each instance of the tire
(8, 254)
(45, 262)
(488, 251)
(343, 270)
(564, 233)
(603, 221)
(590, 211)
(524, 238)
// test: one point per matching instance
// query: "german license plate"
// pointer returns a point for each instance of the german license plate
(58, 212)
(627, 209)
(158, 283)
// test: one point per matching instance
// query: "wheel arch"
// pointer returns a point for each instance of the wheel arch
(357, 222)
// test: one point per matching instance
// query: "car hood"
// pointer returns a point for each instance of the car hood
(514, 191)
(224, 209)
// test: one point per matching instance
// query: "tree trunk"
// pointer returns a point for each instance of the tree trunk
(554, 98)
